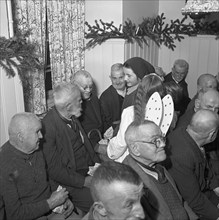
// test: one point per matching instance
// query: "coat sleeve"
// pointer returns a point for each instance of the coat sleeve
(117, 145)
(59, 166)
(183, 173)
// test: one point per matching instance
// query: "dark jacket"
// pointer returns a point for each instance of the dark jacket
(58, 151)
(191, 174)
(111, 106)
(157, 206)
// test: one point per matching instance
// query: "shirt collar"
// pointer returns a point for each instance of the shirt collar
(131, 89)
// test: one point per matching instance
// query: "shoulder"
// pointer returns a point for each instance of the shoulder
(108, 92)
(168, 77)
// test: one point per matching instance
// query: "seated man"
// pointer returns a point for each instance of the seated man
(161, 199)
(67, 150)
(189, 168)
(205, 82)
(24, 186)
(112, 98)
(91, 116)
(205, 100)
(178, 75)
(116, 190)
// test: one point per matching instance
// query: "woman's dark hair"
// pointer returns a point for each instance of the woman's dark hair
(149, 84)
(176, 92)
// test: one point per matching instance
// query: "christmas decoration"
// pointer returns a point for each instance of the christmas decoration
(153, 28)
(17, 54)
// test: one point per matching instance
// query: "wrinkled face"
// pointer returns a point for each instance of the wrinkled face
(210, 102)
(151, 144)
(85, 85)
(122, 201)
(210, 84)
(179, 73)
(118, 79)
(32, 136)
(74, 108)
(130, 77)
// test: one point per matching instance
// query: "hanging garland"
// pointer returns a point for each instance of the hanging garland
(153, 28)
(17, 54)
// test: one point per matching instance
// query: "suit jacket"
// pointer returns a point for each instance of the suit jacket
(155, 203)
(58, 151)
(91, 117)
(185, 100)
(189, 172)
(111, 106)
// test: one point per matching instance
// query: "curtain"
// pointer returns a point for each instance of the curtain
(30, 15)
(66, 37)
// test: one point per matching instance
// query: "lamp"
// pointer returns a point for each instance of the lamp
(200, 6)
(198, 9)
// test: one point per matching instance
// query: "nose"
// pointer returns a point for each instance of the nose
(40, 135)
(139, 212)
(126, 78)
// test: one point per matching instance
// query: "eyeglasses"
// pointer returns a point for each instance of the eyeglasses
(156, 142)
(87, 87)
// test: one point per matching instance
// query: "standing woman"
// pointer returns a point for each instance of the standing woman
(135, 69)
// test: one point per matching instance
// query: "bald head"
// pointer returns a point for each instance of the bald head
(204, 121)
(207, 100)
(24, 132)
(206, 82)
(135, 131)
(21, 122)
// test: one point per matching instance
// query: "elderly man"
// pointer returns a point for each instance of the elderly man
(91, 116)
(24, 187)
(205, 100)
(189, 167)
(67, 150)
(112, 98)
(179, 72)
(116, 190)
(146, 150)
(205, 82)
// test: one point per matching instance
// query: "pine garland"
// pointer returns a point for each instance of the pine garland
(17, 53)
(154, 28)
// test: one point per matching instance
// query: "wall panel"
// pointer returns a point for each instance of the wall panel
(201, 52)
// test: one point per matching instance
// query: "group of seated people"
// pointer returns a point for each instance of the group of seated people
(104, 158)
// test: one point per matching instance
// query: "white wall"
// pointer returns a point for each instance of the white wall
(136, 10)
(99, 59)
(202, 52)
(11, 93)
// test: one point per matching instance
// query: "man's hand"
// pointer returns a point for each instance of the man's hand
(87, 181)
(68, 208)
(108, 133)
(216, 190)
(57, 198)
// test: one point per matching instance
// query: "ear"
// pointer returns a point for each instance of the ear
(134, 147)
(68, 106)
(197, 104)
(20, 137)
(213, 134)
(99, 207)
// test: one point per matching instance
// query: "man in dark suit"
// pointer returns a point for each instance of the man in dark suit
(112, 98)
(161, 198)
(91, 116)
(178, 75)
(67, 149)
(189, 167)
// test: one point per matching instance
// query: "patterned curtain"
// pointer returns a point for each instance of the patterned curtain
(66, 37)
(30, 15)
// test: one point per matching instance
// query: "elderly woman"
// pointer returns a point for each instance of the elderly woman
(117, 148)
